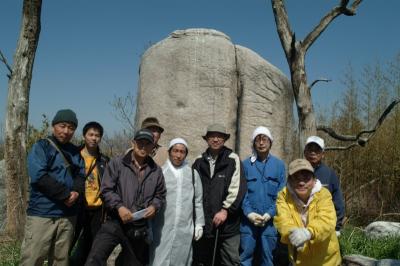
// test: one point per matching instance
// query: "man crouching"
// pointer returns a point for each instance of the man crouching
(131, 183)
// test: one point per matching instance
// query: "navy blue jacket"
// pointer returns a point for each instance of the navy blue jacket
(330, 180)
(51, 182)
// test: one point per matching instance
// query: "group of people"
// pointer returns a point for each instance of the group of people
(163, 211)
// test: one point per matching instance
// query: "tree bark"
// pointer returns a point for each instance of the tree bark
(17, 119)
(302, 94)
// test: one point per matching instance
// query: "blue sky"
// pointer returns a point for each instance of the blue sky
(89, 51)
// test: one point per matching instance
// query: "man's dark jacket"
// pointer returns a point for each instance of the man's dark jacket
(121, 187)
(225, 189)
(330, 180)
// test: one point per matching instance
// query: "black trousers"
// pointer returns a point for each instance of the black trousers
(88, 224)
(111, 234)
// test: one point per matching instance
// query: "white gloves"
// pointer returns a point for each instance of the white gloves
(337, 233)
(266, 217)
(298, 236)
(198, 232)
(255, 219)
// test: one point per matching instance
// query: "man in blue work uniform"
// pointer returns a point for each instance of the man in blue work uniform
(265, 175)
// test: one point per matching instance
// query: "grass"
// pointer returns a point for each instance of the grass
(9, 253)
(354, 241)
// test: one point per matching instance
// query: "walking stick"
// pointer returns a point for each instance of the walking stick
(215, 247)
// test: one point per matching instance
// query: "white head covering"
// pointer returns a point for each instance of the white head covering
(177, 170)
(263, 131)
(259, 131)
(177, 141)
(315, 139)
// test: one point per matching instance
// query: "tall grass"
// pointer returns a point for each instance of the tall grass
(354, 241)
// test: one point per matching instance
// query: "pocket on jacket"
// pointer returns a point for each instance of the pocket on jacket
(272, 184)
(251, 183)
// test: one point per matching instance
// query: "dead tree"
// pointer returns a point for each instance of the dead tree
(17, 118)
(295, 51)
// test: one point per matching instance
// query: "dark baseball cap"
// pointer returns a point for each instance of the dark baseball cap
(144, 133)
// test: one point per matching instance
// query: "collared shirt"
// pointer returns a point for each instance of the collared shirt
(139, 169)
(212, 161)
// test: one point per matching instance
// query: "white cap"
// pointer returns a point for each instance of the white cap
(315, 139)
(177, 141)
(262, 131)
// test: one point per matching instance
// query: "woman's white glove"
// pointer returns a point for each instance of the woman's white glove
(256, 219)
(298, 236)
(198, 232)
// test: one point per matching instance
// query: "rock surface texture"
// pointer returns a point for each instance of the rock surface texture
(358, 260)
(382, 228)
(197, 77)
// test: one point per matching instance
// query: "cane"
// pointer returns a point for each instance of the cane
(215, 247)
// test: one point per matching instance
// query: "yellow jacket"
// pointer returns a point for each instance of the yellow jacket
(323, 248)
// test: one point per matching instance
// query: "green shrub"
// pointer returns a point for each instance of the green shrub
(9, 253)
(354, 241)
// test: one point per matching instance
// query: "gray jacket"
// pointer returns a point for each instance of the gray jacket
(120, 186)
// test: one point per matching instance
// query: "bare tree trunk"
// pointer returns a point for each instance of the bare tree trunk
(17, 119)
(302, 94)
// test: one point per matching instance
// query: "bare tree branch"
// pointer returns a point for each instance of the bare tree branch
(353, 8)
(341, 148)
(283, 26)
(322, 25)
(124, 108)
(359, 139)
(4, 60)
(328, 18)
(318, 80)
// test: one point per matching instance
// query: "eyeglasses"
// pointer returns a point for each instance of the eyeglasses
(260, 139)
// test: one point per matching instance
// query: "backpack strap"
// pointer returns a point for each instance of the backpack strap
(66, 162)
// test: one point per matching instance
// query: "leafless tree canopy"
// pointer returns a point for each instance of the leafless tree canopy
(295, 52)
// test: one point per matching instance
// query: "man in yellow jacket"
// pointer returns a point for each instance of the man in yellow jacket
(306, 218)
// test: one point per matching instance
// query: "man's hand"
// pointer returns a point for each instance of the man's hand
(220, 217)
(125, 214)
(150, 212)
(73, 197)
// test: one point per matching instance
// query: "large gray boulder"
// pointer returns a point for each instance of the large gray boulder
(265, 99)
(382, 229)
(197, 77)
